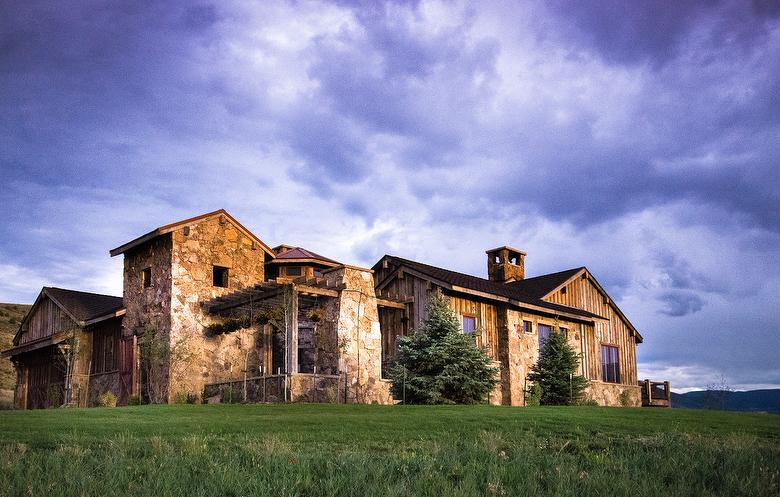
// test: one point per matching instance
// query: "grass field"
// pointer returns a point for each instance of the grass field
(326, 450)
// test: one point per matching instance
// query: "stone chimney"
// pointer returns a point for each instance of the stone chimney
(506, 264)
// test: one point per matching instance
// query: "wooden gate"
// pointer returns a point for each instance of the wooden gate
(126, 368)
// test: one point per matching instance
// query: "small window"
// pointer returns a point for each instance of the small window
(294, 271)
(513, 260)
(563, 291)
(221, 276)
(469, 324)
(318, 273)
(610, 364)
(528, 327)
(565, 332)
(146, 277)
(497, 259)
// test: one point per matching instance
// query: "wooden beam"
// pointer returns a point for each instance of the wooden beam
(390, 303)
(313, 290)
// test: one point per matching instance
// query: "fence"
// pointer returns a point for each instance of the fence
(295, 387)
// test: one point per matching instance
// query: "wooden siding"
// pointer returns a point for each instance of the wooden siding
(45, 320)
(487, 321)
(583, 294)
(417, 291)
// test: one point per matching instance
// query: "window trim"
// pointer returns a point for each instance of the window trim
(606, 375)
(463, 323)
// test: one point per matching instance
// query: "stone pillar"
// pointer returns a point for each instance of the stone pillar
(82, 361)
(359, 336)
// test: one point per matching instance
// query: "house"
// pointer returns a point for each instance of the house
(210, 312)
(512, 316)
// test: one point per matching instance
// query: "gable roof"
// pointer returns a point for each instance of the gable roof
(457, 281)
(300, 254)
(539, 287)
(82, 307)
(178, 224)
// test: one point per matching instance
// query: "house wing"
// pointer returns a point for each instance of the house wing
(581, 289)
(390, 266)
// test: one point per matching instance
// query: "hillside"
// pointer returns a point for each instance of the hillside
(335, 450)
(10, 317)
(752, 400)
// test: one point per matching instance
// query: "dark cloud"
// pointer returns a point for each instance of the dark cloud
(681, 303)
(656, 31)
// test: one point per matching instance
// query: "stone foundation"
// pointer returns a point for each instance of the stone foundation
(609, 394)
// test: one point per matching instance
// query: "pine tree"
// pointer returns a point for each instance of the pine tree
(438, 364)
(555, 372)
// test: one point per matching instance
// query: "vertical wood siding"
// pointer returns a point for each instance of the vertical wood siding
(581, 293)
(46, 319)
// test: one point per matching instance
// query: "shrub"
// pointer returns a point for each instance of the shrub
(555, 372)
(106, 399)
(134, 400)
(184, 398)
(534, 395)
(439, 364)
(588, 402)
(625, 399)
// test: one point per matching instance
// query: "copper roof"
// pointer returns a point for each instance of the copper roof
(300, 254)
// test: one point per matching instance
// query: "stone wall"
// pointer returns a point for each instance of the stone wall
(609, 394)
(522, 350)
(148, 308)
(196, 249)
(102, 383)
(359, 337)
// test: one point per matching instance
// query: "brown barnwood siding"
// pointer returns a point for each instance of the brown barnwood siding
(487, 321)
(46, 319)
(581, 293)
(419, 290)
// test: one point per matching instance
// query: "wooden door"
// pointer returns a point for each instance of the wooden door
(126, 368)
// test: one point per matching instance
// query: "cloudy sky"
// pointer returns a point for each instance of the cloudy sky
(640, 139)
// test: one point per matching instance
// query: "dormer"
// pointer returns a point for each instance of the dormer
(505, 264)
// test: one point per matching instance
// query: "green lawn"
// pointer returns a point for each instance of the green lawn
(387, 450)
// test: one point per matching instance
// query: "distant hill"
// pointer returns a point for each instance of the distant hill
(10, 317)
(751, 400)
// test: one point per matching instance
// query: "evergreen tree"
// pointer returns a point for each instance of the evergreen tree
(438, 364)
(555, 372)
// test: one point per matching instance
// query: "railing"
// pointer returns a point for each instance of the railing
(294, 387)
(656, 393)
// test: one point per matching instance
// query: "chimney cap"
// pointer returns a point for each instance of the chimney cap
(505, 247)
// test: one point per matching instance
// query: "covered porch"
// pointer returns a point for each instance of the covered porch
(296, 351)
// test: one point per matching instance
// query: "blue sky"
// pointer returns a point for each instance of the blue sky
(638, 139)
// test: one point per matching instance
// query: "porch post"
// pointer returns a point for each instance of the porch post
(292, 335)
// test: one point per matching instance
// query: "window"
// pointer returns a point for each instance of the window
(146, 277)
(469, 324)
(293, 271)
(544, 333)
(610, 364)
(221, 276)
(528, 327)
(564, 332)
